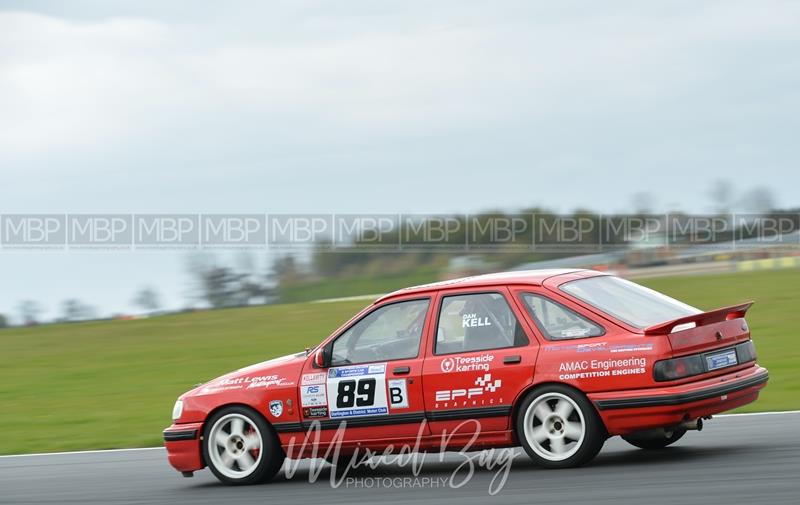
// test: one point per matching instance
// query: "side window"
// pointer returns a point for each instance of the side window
(387, 333)
(477, 322)
(556, 321)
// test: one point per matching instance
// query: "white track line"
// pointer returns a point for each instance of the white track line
(67, 453)
(758, 413)
(104, 451)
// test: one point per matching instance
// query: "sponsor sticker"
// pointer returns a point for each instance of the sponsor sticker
(590, 347)
(313, 378)
(483, 385)
(313, 395)
(589, 369)
(276, 408)
(315, 411)
(250, 382)
(632, 347)
(479, 363)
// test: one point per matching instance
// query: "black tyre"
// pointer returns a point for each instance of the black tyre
(559, 428)
(240, 447)
(341, 462)
(654, 439)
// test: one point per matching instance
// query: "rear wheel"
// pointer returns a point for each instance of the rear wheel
(654, 439)
(559, 428)
(240, 447)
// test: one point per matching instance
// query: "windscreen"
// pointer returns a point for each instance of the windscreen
(629, 302)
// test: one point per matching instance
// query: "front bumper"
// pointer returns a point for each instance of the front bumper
(182, 442)
(627, 411)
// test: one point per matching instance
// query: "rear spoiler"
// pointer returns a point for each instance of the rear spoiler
(701, 319)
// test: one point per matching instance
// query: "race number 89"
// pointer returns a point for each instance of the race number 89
(355, 392)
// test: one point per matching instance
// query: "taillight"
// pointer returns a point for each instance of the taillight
(678, 368)
(687, 366)
(745, 352)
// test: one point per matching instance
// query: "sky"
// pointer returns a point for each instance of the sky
(363, 106)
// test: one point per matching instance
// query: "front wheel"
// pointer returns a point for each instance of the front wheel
(654, 439)
(559, 428)
(240, 447)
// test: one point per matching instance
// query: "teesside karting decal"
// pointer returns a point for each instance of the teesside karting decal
(479, 363)
(358, 390)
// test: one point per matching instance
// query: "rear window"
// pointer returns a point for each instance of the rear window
(627, 301)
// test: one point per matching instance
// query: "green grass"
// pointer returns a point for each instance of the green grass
(356, 285)
(112, 384)
(774, 322)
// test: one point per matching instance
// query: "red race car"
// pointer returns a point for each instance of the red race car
(556, 361)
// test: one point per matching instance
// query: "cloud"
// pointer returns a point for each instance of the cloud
(70, 85)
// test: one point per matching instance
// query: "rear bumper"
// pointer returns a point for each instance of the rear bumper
(627, 411)
(182, 442)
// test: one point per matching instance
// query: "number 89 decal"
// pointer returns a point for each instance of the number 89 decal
(357, 390)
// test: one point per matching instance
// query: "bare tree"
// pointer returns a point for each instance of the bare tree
(722, 196)
(219, 285)
(147, 298)
(29, 312)
(73, 309)
(757, 200)
(3, 321)
(642, 202)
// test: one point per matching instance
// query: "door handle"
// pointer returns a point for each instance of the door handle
(401, 370)
(511, 360)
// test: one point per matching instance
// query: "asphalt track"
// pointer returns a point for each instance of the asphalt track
(736, 459)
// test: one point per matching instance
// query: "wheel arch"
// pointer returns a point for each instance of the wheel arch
(222, 406)
(538, 385)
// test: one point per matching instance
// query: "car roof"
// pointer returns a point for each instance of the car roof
(534, 277)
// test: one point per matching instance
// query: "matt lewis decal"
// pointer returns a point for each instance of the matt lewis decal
(479, 363)
(258, 381)
(358, 390)
(587, 369)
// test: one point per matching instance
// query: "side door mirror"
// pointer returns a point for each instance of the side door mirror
(322, 357)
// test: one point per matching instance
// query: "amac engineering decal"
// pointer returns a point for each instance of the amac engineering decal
(589, 369)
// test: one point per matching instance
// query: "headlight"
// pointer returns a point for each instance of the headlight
(177, 410)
